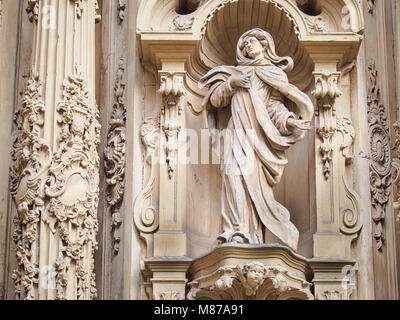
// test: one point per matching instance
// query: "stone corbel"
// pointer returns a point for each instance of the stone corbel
(326, 91)
(171, 89)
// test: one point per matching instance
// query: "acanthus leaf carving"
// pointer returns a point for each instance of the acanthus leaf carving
(171, 89)
(326, 91)
(115, 160)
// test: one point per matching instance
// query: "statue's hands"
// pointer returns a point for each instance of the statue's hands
(242, 81)
(299, 124)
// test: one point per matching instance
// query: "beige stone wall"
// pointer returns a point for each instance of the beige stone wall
(158, 224)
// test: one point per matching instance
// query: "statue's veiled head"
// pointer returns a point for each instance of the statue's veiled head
(257, 47)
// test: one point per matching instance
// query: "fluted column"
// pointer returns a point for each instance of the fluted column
(55, 174)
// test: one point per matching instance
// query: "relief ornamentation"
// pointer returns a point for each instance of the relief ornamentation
(121, 10)
(31, 157)
(253, 281)
(115, 160)
(146, 214)
(317, 24)
(326, 91)
(371, 6)
(73, 188)
(33, 10)
(380, 157)
(182, 23)
(171, 89)
(170, 295)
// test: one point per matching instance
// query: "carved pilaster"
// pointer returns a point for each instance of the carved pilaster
(326, 91)
(55, 170)
(115, 156)
(31, 156)
(380, 157)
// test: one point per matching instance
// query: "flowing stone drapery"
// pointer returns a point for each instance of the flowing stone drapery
(258, 136)
(55, 171)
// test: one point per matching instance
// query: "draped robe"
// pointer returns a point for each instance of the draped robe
(255, 151)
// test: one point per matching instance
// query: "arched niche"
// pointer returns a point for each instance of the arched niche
(209, 39)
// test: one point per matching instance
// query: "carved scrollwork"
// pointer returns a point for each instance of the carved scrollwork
(380, 157)
(72, 189)
(145, 214)
(115, 160)
(326, 91)
(251, 281)
(31, 158)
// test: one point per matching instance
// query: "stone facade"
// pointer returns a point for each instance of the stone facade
(111, 183)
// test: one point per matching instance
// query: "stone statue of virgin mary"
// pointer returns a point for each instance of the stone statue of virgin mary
(268, 113)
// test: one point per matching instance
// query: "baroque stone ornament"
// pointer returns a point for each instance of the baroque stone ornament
(171, 89)
(72, 189)
(115, 160)
(396, 167)
(146, 214)
(170, 295)
(371, 6)
(261, 129)
(182, 23)
(121, 10)
(252, 281)
(317, 24)
(326, 91)
(31, 156)
(33, 10)
(380, 155)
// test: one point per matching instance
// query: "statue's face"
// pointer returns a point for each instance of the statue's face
(254, 276)
(254, 48)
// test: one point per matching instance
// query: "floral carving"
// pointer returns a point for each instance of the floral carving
(31, 157)
(72, 211)
(380, 157)
(115, 156)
